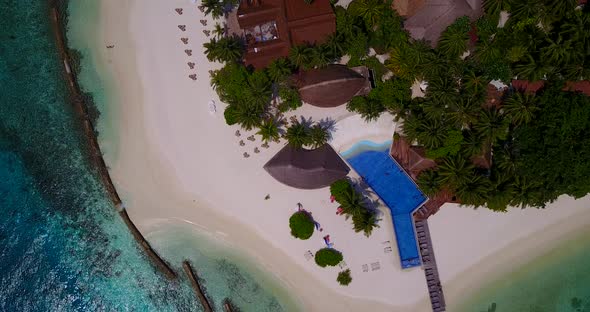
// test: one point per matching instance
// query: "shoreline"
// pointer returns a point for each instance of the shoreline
(517, 255)
(170, 192)
(93, 148)
(164, 154)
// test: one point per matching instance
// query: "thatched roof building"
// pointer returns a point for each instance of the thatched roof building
(332, 85)
(307, 169)
(272, 27)
(427, 19)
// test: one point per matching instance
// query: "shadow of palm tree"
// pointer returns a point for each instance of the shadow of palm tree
(365, 190)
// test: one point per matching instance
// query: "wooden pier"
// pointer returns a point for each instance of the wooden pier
(227, 307)
(437, 298)
(196, 286)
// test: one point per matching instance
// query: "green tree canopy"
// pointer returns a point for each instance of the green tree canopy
(344, 277)
(301, 225)
(328, 257)
(298, 135)
(554, 147)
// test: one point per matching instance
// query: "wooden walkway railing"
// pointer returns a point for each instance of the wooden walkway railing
(437, 298)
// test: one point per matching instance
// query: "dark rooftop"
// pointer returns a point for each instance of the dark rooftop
(428, 19)
(332, 85)
(307, 169)
(271, 27)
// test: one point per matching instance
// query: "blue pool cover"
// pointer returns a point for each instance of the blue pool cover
(398, 192)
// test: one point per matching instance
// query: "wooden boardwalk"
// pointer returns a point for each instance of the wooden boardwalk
(437, 298)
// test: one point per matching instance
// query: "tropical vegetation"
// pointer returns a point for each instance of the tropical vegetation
(299, 134)
(328, 257)
(301, 225)
(524, 148)
(218, 8)
(344, 277)
(354, 205)
(535, 144)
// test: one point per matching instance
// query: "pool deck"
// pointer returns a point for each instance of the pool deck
(399, 193)
(414, 250)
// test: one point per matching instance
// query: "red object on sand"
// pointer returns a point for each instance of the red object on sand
(332, 198)
(339, 210)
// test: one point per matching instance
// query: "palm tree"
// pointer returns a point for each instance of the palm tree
(213, 7)
(301, 55)
(369, 10)
(525, 9)
(487, 53)
(502, 192)
(520, 108)
(579, 71)
(352, 204)
(560, 8)
(429, 182)
(409, 61)
(475, 84)
(575, 28)
(454, 171)
(365, 222)
(432, 132)
(453, 41)
(558, 52)
(321, 56)
(453, 44)
(505, 159)
(443, 90)
(225, 49)
(297, 135)
(491, 125)
(472, 144)
(411, 127)
(269, 130)
(526, 192)
(433, 107)
(219, 31)
(279, 69)
(347, 24)
(463, 113)
(259, 89)
(532, 69)
(318, 136)
(248, 116)
(335, 45)
(494, 7)
(473, 190)
(516, 53)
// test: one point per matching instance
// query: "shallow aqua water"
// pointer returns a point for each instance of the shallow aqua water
(62, 245)
(558, 281)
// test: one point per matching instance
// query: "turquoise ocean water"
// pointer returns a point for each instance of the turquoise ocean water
(62, 245)
(558, 281)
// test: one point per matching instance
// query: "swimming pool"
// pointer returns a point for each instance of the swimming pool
(396, 190)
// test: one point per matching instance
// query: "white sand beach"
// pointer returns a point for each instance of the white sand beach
(175, 162)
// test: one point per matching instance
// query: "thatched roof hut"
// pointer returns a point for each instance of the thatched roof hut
(332, 85)
(307, 169)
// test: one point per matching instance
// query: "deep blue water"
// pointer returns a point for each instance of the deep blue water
(397, 191)
(62, 245)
